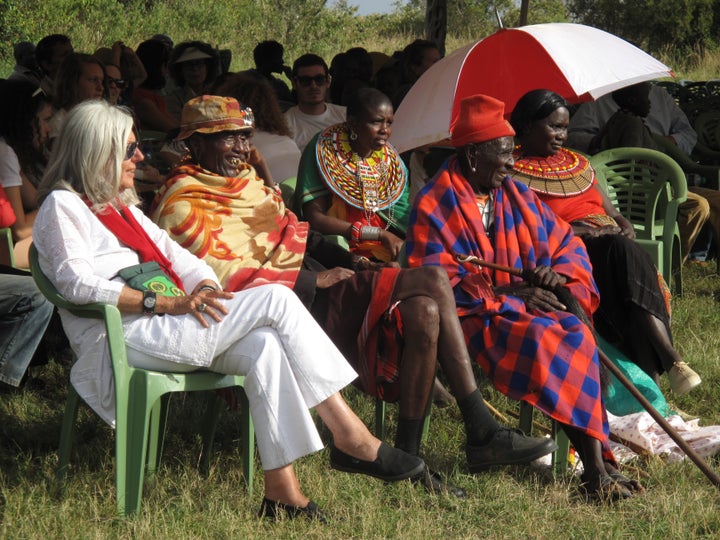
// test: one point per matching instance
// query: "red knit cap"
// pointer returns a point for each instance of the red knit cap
(481, 119)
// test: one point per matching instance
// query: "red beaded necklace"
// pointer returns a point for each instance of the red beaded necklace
(564, 173)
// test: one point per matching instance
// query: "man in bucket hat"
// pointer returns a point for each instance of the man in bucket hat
(392, 324)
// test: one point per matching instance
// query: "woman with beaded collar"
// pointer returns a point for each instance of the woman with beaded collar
(633, 312)
(352, 182)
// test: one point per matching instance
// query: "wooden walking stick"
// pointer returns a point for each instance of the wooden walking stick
(573, 307)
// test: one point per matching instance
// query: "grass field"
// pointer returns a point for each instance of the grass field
(507, 503)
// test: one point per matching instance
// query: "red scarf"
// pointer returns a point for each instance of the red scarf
(126, 228)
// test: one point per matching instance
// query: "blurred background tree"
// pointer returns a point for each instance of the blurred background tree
(686, 28)
(652, 24)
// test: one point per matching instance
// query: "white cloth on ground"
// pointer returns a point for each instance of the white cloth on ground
(641, 430)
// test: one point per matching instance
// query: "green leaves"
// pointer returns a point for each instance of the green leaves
(652, 24)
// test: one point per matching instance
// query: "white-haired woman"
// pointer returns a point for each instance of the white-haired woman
(88, 230)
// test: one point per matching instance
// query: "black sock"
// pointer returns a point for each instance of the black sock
(408, 435)
(480, 425)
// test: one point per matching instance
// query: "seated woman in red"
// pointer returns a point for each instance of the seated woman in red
(633, 314)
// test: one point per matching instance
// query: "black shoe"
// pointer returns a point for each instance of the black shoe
(434, 483)
(507, 447)
(273, 510)
(390, 465)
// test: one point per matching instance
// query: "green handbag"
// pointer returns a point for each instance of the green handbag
(148, 276)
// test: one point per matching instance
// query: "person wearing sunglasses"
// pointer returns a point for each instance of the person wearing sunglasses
(115, 83)
(311, 83)
(124, 72)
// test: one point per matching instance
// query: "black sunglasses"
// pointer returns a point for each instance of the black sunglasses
(304, 80)
(120, 83)
(130, 149)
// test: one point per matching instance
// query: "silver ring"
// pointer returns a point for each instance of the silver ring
(201, 308)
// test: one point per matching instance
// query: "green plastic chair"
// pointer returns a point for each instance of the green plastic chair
(676, 90)
(647, 187)
(653, 247)
(141, 405)
(381, 409)
(7, 256)
(287, 188)
(560, 456)
(707, 126)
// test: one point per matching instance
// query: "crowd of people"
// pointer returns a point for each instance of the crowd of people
(386, 293)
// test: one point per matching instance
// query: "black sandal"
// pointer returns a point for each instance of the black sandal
(274, 510)
(631, 485)
(434, 483)
(604, 489)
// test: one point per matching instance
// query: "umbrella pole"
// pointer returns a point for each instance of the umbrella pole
(627, 383)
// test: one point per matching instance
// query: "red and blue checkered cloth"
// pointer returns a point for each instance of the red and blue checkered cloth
(550, 359)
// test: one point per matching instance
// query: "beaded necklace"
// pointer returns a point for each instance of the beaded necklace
(371, 179)
(565, 173)
(370, 184)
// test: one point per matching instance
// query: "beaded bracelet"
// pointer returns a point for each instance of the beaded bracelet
(356, 232)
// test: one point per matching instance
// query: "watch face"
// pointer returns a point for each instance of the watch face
(149, 301)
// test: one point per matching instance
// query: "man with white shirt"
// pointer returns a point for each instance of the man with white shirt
(311, 82)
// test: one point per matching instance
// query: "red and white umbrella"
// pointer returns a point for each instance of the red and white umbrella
(579, 62)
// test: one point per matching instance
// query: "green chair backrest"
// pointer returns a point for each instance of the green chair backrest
(287, 188)
(111, 315)
(707, 125)
(647, 186)
(7, 255)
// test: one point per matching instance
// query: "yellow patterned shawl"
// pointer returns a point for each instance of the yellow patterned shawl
(237, 225)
